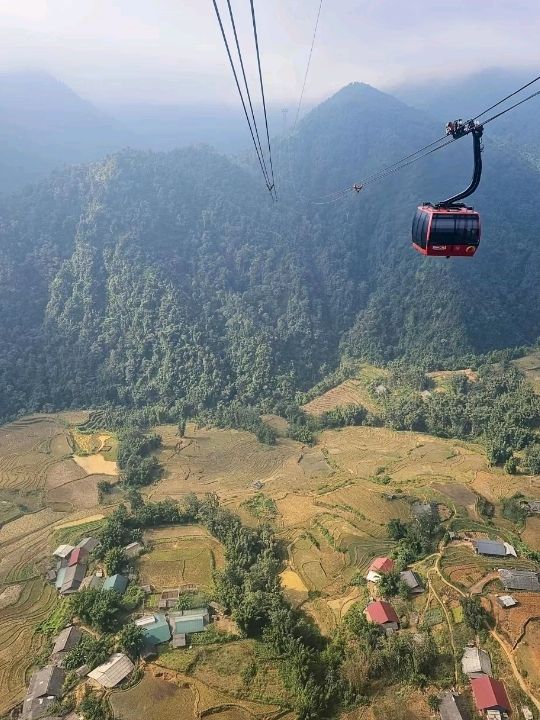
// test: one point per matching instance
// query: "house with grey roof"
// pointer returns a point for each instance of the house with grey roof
(72, 579)
(133, 550)
(533, 506)
(88, 543)
(91, 582)
(410, 578)
(66, 641)
(520, 579)
(494, 548)
(112, 672)
(453, 707)
(44, 687)
(475, 663)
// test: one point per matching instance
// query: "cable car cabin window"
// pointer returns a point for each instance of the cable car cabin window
(468, 229)
(423, 226)
(417, 228)
(454, 230)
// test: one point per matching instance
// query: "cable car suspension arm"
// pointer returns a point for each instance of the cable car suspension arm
(458, 129)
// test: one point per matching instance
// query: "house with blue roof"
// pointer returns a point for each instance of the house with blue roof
(116, 582)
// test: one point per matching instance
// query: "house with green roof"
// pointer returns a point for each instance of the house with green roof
(186, 624)
(116, 582)
(155, 627)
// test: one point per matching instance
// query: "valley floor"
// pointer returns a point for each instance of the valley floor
(330, 505)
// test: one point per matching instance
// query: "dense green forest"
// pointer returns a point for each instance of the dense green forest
(171, 280)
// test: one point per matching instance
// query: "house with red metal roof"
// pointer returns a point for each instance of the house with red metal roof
(490, 695)
(77, 556)
(383, 614)
(378, 566)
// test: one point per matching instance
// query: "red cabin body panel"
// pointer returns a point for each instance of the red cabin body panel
(452, 231)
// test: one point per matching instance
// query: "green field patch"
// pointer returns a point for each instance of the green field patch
(178, 562)
(457, 614)
(432, 617)
(261, 507)
(72, 535)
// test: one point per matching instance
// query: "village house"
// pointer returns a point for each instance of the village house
(116, 582)
(77, 556)
(44, 687)
(476, 663)
(62, 552)
(490, 698)
(382, 614)
(133, 550)
(186, 622)
(533, 506)
(410, 578)
(506, 601)
(378, 566)
(155, 627)
(520, 580)
(66, 641)
(112, 672)
(453, 707)
(71, 578)
(493, 548)
(89, 544)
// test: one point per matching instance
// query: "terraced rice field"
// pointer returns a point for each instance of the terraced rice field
(18, 643)
(176, 561)
(154, 698)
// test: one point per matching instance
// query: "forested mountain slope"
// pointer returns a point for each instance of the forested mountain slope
(169, 278)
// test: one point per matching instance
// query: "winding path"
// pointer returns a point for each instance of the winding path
(504, 645)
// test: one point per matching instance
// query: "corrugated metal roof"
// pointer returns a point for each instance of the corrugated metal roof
(77, 555)
(382, 564)
(47, 681)
(62, 551)
(73, 578)
(490, 547)
(88, 543)
(489, 694)
(381, 612)
(451, 707)
(116, 582)
(475, 661)
(520, 580)
(117, 667)
(67, 639)
(410, 579)
(187, 624)
(60, 578)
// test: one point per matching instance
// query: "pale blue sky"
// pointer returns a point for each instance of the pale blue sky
(171, 51)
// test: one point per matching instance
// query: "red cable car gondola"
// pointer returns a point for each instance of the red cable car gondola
(450, 228)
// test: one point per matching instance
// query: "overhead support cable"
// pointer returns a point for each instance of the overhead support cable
(254, 22)
(252, 127)
(308, 65)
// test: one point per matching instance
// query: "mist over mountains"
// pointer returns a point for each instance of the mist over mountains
(166, 278)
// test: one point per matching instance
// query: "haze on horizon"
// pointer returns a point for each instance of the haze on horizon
(171, 52)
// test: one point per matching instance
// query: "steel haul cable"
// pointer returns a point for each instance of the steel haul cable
(273, 186)
(233, 68)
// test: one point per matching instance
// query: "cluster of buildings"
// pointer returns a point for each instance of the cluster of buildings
(489, 694)
(381, 612)
(172, 627)
(69, 574)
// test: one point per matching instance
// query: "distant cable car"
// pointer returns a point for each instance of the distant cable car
(450, 228)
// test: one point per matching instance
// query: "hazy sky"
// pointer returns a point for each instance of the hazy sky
(171, 50)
